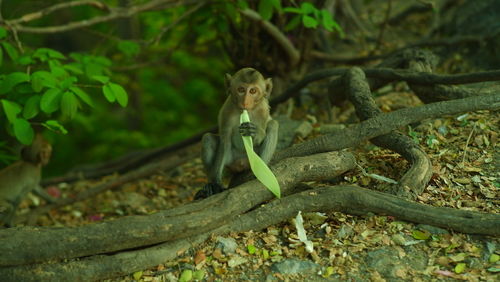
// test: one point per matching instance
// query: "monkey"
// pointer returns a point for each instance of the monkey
(23, 176)
(246, 90)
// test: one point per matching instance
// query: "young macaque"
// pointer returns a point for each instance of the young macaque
(247, 90)
(22, 177)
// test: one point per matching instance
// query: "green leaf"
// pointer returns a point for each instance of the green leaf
(265, 9)
(242, 4)
(307, 8)
(45, 53)
(3, 32)
(459, 268)
(309, 21)
(31, 108)
(74, 68)
(68, 82)
(36, 83)
(277, 5)
(12, 109)
(55, 126)
(102, 79)
(186, 275)
(82, 95)
(327, 20)
(258, 166)
(11, 80)
(108, 93)
(494, 258)
(11, 51)
(251, 249)
(23, 131)
(119, 93)
(293, 23)
(25, 60)
(47, 79)
(57, 70)
(494, 269)
(129, 48)
(1, 57)
(69, 105)
(50, 100)
(421, 235)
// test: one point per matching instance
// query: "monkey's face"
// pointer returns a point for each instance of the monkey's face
(248, 95)
(45, 154)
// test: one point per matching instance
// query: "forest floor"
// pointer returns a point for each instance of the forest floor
(465, 155)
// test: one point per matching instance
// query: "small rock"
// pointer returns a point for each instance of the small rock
(236, 260)
(228, 245)
(294, 266)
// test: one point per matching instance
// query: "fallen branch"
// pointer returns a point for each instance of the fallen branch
(30, 245)
(416, 178)
(383, 124)
(347, 199)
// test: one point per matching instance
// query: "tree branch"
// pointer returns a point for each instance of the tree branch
(114, 13)
(274, 32)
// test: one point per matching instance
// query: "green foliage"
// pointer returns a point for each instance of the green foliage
(43, 84)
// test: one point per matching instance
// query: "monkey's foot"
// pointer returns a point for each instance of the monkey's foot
(208, 190)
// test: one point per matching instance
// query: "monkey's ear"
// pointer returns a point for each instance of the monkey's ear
(269, 86)
(227, 80)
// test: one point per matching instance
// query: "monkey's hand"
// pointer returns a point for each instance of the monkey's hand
(208, 190)
(248, 129)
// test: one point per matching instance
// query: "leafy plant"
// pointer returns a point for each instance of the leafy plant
(43, 88)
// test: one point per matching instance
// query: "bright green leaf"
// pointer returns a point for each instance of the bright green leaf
(309, 21)
(459, 268)
(11, 109)
(74, 68)
(31, 108)
(23, 131)
(108, 93)
(11, 51)
(45, 53)
(36, 83)
(265, 254)
(257, 165)
(307, 8)
(265, 9)
(69, 105)
(50, 100)
(494, 269)
(102, 79)
(186, 275)
(11, 80)
(119, 93)
(68, 82)
(137, 275)
(421, 235)
(3, 32)
(82, 95)
(251, 249)
(494, 258)
(55, 126)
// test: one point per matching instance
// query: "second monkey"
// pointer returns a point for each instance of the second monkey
(247, 90)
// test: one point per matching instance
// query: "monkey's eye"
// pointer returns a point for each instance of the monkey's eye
(241, 89)
(253, 91)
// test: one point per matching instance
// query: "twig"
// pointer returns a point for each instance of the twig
(44, 12)
(281, 39)
(114, 13)
(467, 143)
